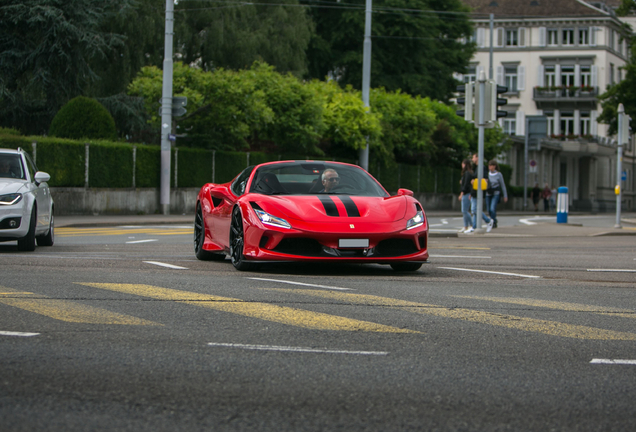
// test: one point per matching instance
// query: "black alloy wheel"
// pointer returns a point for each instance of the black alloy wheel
(199, 239)
(237, 243)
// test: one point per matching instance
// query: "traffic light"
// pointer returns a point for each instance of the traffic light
(495, 101)
(466, 99)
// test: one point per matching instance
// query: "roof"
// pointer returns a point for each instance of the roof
(537, 8)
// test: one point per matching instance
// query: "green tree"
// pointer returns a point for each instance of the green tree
(624, 91)
(233, 34)
(416, 45)
(83, 117)
(46, 52)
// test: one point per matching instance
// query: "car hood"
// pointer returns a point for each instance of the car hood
(8, 186)
(333, 208)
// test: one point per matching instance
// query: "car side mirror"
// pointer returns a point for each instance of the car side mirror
(406, 192)
(41, 177)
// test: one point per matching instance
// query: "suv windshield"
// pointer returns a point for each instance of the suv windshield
(11, 166)
(310, 178)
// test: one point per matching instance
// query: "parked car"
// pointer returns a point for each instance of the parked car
(309, 211)
(26, 205)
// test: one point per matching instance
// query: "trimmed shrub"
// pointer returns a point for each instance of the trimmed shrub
(110, 165)
(83, 117)
(148, 166)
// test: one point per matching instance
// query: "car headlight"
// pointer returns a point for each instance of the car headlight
(268, 219)
(10, 199)
(416, 221)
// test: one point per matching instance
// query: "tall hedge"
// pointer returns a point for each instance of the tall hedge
(83, 117)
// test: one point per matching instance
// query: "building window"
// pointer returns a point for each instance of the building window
(567, 76)
(512, 37)
(509, 126)
(471, 75)
(550, 117)
(550, 76)
(586, 76)
(568, 37)
(611, 39)
(585, 123)
(511, 78)
(567, 123)
(584, 36)
(611, 74)
(553, 37)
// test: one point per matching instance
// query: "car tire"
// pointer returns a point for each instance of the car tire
(199, 239)
(237, 243)
(49, 238)
(406, 266)
(27, 243)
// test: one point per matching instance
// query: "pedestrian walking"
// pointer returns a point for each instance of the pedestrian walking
(496, 190)
(464, 195)
(535, 194)
(473, 195)
(546, 194)
(553, 196)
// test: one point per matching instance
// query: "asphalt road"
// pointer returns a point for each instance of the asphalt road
(121, 328)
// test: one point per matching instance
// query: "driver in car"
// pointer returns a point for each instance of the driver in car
(5, 169)
(330, 180)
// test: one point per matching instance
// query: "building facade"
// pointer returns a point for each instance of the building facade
(556, 57)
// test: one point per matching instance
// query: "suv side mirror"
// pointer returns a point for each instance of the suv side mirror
(41, 177)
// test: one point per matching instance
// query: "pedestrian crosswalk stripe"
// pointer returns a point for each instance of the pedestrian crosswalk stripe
(264, 311)
(64, 310)
(552, 328)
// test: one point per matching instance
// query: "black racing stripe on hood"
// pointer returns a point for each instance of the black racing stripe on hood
(350, 206)
(329, 205)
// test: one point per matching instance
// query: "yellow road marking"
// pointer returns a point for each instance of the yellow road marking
(622, 313)
(64, 310)
(552, 328)
(460, 247)
(264, 311)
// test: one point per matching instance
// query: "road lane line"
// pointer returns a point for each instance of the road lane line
(157, 263)
(18, 334)
(265, 311)
(573, 307)
(552, 328)
(141, 241)
(612, 270)
(295, 349)
(63, 310)
(491, 272)
(615, 362)
(302, 284)
(459, 247)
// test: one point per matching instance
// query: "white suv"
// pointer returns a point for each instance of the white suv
(26, 206)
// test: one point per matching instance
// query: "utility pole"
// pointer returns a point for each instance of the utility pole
(366, 78)
(492, 31)
(166, 110)
(623, 127)
(481, 129)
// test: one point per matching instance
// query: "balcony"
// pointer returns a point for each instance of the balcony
(565, 94)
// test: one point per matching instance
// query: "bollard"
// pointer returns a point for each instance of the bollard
(562, 205)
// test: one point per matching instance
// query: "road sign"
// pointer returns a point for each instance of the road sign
(533, 166)
(172, 137)
(624, 176)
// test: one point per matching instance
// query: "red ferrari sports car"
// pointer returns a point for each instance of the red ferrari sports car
(309, 211)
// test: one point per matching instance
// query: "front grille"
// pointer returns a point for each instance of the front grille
(299, 246)
(395, 247)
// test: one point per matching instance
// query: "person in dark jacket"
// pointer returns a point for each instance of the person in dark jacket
(496, 190)
(464, 195)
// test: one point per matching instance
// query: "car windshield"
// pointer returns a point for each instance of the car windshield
(11, 166)
(310, 178)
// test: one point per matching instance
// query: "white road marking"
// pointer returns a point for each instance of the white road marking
(445, 221)
(460, 256)
(618, 362)
(612, 270)
(166, 265)
(295, 349)
(527, 221)
(141, 241)
(492, 272)
(303, 284)
(19, 334)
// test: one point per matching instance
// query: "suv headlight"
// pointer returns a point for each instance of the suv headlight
(416, 221)
(10, 199)
(268, 219)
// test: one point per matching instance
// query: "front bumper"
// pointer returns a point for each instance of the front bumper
(17, 213)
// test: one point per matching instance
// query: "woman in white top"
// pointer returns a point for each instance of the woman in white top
(496, 188)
